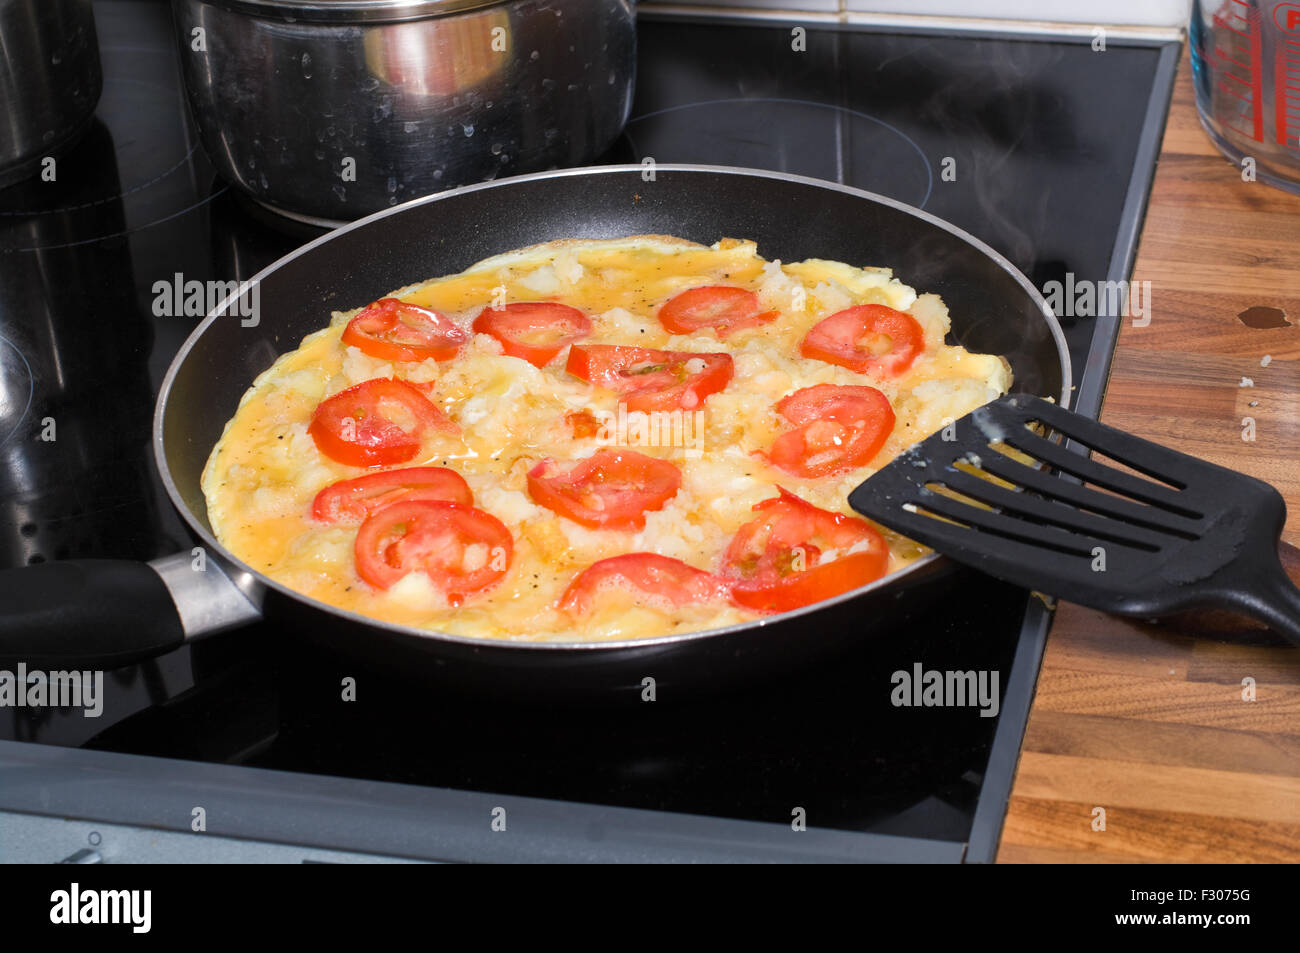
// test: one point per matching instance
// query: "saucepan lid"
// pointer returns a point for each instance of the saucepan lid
(351, 11)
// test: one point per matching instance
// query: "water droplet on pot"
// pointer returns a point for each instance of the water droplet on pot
(306, 65)
(496, 148)
(469, 130)
(437, 173)
(534, 55)
(410, 127)
(341, 192)
(392, 184)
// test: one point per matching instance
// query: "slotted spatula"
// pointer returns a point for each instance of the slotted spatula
(1193, 536)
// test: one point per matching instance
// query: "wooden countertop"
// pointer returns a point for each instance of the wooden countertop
(1149, 723)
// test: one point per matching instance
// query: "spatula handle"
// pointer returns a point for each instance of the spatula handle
(1276, 596)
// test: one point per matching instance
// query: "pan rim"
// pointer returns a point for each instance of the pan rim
(620, 645)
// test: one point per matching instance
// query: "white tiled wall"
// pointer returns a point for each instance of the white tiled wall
(1134, 12)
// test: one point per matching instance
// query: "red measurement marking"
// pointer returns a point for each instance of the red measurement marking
(1224, 56)
(1287, 17)
(1219, 21)
(1244, 24)
(1257, 74)
(1228, 91)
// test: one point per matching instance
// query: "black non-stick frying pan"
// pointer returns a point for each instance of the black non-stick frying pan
(102, 614)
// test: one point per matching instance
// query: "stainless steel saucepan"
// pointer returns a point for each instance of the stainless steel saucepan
(103, 613)
(332, 109)
(50, 80)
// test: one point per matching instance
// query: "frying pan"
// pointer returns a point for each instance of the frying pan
(102, 614)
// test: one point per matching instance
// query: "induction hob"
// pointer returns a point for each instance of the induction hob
(1039, 145)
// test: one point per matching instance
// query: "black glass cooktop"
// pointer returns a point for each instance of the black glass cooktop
(1041, 147)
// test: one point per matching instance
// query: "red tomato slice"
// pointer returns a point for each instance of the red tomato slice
(351, 501)
(841, 428)
(611, 489)
(464, 551)
(723, 308)
(664, 581)
(376, 423)
(650, 379)
(534, 331)
(775, 560)
(393, 330)
(811, 585)
(865, 338)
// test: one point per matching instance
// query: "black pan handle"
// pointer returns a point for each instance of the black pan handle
(106, 613)
(90, 613)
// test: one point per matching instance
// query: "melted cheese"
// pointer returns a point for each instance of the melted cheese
(264, 472)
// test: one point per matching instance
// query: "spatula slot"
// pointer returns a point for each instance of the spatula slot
(1106, 444)
(1046, 484)
(1030, 507)
(1002, 525)
(1091, 472)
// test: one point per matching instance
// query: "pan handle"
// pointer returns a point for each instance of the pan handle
(106, 613)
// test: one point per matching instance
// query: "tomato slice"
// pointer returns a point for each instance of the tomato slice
(393, 330)
(651, 379)
(611, 489)
(376, 423)
(464, 551)
(840, 428)
(351, 501)
(534, 331)
(775, 561)
(662, 580)
(720, 307)
(866, 338)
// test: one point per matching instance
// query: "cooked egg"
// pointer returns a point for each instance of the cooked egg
(265, 471)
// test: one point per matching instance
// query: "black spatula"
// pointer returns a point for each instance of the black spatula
(1193, 536)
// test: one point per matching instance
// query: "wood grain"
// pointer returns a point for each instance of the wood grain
(1152, 723)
